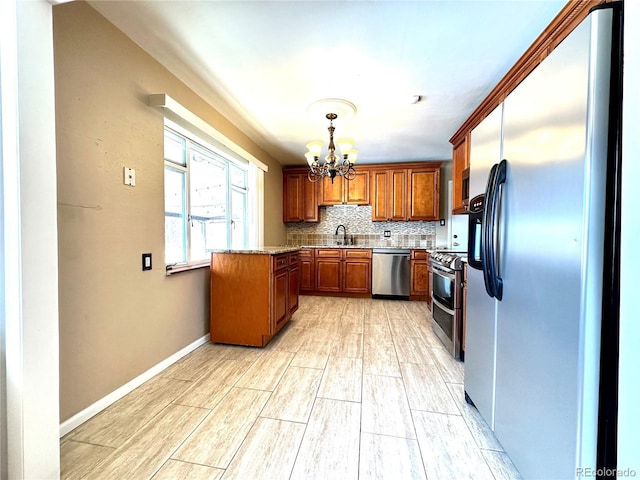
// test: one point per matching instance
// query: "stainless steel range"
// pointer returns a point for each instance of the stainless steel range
(446, 269)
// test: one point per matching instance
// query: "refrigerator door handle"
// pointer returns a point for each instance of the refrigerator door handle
(492, 230)
(487, 232)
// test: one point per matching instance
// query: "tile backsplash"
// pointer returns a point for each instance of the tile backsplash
(357, 221)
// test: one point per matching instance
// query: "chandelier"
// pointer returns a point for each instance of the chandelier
(333, 164)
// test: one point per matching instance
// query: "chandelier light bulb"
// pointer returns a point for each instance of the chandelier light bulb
(315, 148)
(310, 158)
(345, 145)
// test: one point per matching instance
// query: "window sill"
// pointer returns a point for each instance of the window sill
(173, 269)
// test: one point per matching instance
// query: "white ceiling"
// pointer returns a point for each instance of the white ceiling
(262, 63)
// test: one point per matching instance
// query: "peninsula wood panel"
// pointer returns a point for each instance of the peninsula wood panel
(273, 282)
(233, 274)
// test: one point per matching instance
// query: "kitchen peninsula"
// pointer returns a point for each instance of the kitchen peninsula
(253, 293)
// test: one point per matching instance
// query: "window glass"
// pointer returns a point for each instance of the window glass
(208, 203)
(174, 216)
(238, 177)
(174, 148)
(238, 216)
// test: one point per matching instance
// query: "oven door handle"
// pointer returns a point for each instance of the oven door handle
(444, 273)
(443, 306)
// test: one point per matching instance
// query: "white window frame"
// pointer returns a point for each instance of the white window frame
(252, 192)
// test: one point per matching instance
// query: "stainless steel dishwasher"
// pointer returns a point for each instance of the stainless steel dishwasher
(391, 272)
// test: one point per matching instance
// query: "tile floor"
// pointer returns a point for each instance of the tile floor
(350, 389)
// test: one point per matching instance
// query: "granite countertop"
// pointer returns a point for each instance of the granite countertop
(269, 250)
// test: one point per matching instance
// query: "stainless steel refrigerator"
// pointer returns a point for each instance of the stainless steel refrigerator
(542, 311)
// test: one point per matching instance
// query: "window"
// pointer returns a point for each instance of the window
(205, 199)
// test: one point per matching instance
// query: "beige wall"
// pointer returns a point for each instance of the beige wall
(115, 320)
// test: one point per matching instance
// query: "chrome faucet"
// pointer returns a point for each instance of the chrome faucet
(344, 237)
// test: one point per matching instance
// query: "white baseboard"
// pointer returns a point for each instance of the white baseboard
(81, 417)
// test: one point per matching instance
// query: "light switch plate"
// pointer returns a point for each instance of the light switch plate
(146, 261)
(387, 233)
(129, 176)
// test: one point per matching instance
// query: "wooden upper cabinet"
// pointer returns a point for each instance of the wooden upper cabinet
(330, 193)
(460, 164)
(380, 196)
(341, 191)
(293, 198)
(300, 200)
(423, 193)
(405, 193)
(388, 195)
(398, 195)
(357, 190)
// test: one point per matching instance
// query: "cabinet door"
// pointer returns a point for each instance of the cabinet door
(419, 278)
(459, 163)
(380, 195)
(398, 194)
(330, 193)
(356, 276)
(293, 197)
(300, 197)
(280, 292)
(307, 277)
(357, 190)
(423, 194)
(309, 200)
(294, 289)
(328, 273)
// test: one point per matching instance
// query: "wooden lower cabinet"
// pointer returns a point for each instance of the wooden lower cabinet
(328, 270)
(294, 289)
(280, 282)
(420, 288)
(356, 271)
(253, 296)
(341, 270)
(307, 270)
(356, 276)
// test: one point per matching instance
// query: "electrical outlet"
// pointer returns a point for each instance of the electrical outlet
(387, 233)
(146, 261)
(442, 222)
